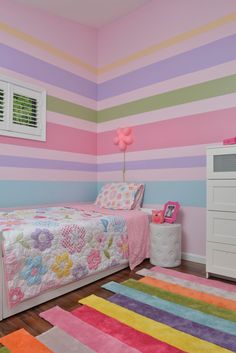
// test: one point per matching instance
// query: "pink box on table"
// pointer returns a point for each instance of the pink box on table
(229, 141)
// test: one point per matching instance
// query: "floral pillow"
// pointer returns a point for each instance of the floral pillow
(120, 196)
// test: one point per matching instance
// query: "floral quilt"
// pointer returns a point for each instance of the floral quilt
(49, 247)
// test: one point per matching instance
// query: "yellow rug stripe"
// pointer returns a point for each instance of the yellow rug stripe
(152, 328)
(46, 46)
(169, 42)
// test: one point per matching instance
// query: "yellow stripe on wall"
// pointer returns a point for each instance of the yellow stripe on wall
(124, 61)
(152, 328)
(169, 42)
(46, 46)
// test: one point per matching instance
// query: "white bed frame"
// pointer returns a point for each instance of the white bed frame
(5, 311)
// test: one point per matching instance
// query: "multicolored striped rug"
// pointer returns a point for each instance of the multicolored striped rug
(21, 341)
(166, 311)
(52, 341)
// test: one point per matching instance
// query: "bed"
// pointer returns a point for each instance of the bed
(47, 252)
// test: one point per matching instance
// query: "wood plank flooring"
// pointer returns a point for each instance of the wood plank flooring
(31, 321)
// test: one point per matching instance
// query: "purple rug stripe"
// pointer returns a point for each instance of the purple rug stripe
(90, 336)
(203, 332)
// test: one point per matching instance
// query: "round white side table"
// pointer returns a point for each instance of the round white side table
(165, 244)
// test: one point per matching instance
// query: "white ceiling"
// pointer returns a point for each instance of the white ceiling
(93, 13)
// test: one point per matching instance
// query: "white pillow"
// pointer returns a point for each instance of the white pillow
(120, 196)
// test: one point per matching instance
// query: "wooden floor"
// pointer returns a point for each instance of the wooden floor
(31, 321)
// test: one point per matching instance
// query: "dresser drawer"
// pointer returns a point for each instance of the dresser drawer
(221, 227)
(221, 162)
(221, 195)
(221, 259)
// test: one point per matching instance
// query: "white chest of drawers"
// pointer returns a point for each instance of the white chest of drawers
(221, 211)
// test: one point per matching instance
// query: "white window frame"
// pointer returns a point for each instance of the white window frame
(7, 127)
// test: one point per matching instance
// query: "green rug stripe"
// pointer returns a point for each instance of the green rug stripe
(209, 89)
(61, 106)
(4, 349)
(182, 300)
(179, 310)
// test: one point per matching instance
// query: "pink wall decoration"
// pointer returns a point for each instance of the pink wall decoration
(123, 139)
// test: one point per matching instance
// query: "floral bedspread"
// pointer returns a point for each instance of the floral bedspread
(48, 247)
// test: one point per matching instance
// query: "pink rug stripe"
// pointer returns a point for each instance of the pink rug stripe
(207, 282)
(90, 336)
(124, 333)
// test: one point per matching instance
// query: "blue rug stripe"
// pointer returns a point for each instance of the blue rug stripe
(179, 310)
(208, 334)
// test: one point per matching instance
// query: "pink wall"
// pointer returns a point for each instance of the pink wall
(168, 69)
(53, 53)
(155, 22)
(60, 32)
(167, 64)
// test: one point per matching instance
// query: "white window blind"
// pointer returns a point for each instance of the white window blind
(22, 110)
(3, 104)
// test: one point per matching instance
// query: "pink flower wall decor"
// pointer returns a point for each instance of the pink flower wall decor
(123, 139)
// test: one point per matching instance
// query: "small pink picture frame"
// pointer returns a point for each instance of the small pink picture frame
(170, 211)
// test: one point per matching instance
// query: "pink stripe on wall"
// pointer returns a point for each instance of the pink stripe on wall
(210, 127)
(195, 150)
(60, 138)
(52, 90)
(45, 56)
(154, 175)
(22, 151)
(198, 107)
(58, 31)
(70, 121)
(154, 22)
(194, 78)
(45, 174)
(194, 42)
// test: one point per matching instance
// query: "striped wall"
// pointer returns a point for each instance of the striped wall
(54, 54)
(169, 71)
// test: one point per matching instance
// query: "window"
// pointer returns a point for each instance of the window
(22, 110)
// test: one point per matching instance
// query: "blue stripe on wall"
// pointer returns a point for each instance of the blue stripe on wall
(26, 193)
(187, 193)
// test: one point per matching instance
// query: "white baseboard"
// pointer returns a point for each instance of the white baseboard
(193, 257)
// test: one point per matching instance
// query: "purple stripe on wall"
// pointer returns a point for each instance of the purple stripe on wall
(28, 65)
(203, 332)
(179, 162)
(215, 53)
(25, 162)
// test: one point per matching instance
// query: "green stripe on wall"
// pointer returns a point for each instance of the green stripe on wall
(68, 108)
(218, 87)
